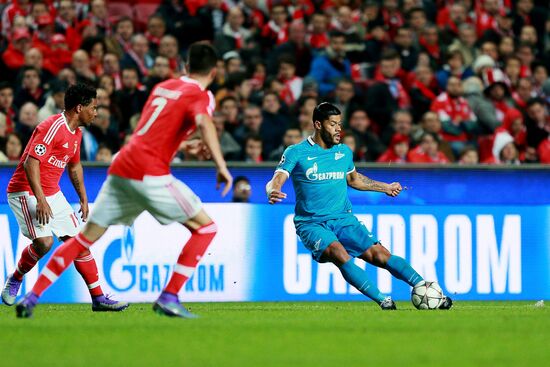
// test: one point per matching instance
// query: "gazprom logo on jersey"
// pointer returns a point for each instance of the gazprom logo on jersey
(466, 252)
(312, 174)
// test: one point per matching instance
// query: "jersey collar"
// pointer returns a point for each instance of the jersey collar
(191, 81)
(67, 123)
(310, 141)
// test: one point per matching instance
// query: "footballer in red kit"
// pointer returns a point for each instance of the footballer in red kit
(36, 199)
(139, 180)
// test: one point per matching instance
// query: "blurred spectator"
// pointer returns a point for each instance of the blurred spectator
(393, 19)
(368, 142)
(252, 121)
(513, 124)
(465, 43)
(458, 120)
(99, 16)
(241, 190)
(35, 59)
(81, 65)
(454, 66)
(397, 150)
(230, 148)
(14, 56)
(430, 123)
(168, 47)
(95, 48)
(212, 17)
(423, 91)
(16, 8)
(156, 29)
(344, 99)
(497, 91)
(502, 27)
(14, 147)
(350, 140)
(55, 102)
(7, 108)
(481, 106)
(317, 35)
(292, 136)
(138, 56)
(305, 113)
(524, 92)
(401, 123)
(66, 23)
(504, 151)
(387, 94)
(229, 107)
(537, 122)
(31, 89)
(332, 65)
(429, 43)
(506, 47)
(160, 72)
(120, 42)
(540, 75)
(275, 32)
(295, 46)
(469, 156)
(233, 35)
(274, 123)
(427, 151)
(130, 98)
(104, 154)
(67, 75)
(27, 121)
(111, 67)
(404, 46)
(252, 152)
(101, 132)
(512, 70)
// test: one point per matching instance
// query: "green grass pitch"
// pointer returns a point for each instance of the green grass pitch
(280, 334)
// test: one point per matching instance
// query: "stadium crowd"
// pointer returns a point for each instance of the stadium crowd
(418, 81)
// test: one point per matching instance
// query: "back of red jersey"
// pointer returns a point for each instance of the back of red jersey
(167, 119)
(54, 145)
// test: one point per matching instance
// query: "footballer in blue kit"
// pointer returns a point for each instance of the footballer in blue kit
(321, 170)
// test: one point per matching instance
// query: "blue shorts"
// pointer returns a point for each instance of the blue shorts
(352, 234)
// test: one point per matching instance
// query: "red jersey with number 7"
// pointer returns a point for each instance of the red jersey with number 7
(167, 119)
(54, 144)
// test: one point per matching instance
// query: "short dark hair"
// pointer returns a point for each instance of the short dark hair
(240, 178)
(337, 34)
(324, 110)
(79, 94)
(6, 85)
(253, 137)
(389, 54)
(201, 58)
(534, 101)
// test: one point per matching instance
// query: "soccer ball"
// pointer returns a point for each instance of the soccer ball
(427, 295)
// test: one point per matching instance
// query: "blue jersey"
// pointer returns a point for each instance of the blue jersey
(319, 177)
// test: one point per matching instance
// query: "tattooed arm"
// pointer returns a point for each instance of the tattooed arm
(363, 183)
(76, 175)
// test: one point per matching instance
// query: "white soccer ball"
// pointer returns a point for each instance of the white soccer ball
(427, 295)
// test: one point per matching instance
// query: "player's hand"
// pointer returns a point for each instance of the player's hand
(43, 212)
(394, 189)
(275, 196)
(84, 210)
(224, 177)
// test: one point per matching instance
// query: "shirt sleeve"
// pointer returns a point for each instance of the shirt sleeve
(41, 144)
(76, 156)
(349, 157)
(204, 105)
(288, 160)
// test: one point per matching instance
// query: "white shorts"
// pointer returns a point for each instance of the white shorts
(166, 198)
(64, 221)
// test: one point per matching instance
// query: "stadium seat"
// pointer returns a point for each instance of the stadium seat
(120, 9)
(142, 12)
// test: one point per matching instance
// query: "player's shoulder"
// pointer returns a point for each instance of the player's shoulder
(344, 148)
(297, 149)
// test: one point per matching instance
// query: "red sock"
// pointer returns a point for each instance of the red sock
(28, 260)
(60, 260)
(190, 256)
(86, 266)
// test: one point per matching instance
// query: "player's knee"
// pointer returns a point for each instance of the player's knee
(336, 254)
(377, 255)
(42, 245)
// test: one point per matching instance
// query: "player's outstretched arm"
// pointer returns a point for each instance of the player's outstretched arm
(273, 188)
(363, 183)
(210, 138)
(32, 170)
(76, 174)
